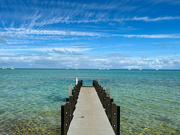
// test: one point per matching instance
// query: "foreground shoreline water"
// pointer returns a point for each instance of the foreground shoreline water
(31, 99)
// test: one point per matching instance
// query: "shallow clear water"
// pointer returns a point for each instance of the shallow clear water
(30, 100)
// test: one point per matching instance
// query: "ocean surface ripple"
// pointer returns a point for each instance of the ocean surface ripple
(31, 99)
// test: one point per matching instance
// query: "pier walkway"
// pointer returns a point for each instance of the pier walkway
(89, 110)
(89, 115)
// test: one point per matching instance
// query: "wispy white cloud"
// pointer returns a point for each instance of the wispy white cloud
(66, 52)
(80, 61)
(68, 20)
(34, 19)
(40, 27)
(45, 49)
(174, 2)
(23, 31)
(148, 19)
(149, 36)
(53, 12)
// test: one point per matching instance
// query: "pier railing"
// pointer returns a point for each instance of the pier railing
(69, 107)
(111, 109)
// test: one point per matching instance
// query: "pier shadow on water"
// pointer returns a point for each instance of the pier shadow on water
(56, 98)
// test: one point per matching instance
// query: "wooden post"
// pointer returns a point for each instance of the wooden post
(108, 107)
(104, 99)
(107, 88)
(81, 82)
(76, 80)
(109, 92)
(66, 118)
(94, 83)
(75, 95)
(71, 101)
(118, 120)
(99, 81)
(62, 120)
(101, 94)
(114, 118)
(70, 90)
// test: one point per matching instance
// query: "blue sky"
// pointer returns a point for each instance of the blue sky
(114, 34)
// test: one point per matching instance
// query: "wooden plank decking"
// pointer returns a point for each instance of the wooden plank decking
(89, 115)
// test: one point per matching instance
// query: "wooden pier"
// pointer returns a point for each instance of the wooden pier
(90, 111)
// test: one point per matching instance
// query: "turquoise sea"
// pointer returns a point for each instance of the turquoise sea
(31, 99)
